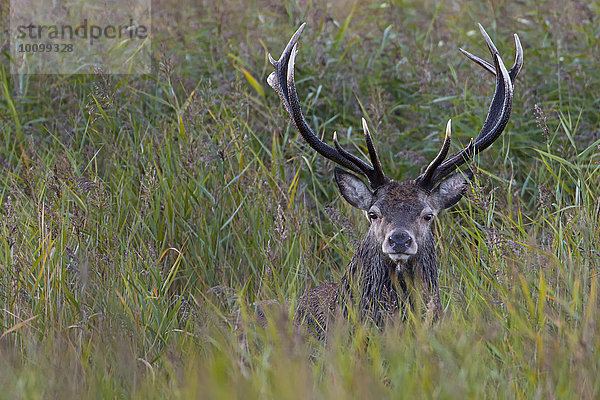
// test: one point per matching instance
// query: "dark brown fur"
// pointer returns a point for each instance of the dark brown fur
(379, 286)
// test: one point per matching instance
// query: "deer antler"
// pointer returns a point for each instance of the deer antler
(282, 81)
(495, 121)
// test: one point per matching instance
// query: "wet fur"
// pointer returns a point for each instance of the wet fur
(380, 287)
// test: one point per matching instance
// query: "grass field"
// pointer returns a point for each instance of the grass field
(140, 215)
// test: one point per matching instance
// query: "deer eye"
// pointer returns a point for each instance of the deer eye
(428, 217)
(372, 215)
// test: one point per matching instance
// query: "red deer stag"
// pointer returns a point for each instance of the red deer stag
(397, 257)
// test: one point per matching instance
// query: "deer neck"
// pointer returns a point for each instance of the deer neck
(384, 286)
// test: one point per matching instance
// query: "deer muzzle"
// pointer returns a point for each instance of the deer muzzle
(399, 245)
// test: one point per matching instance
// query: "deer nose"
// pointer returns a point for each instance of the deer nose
(400, 241)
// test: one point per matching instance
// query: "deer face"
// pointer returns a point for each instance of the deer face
(400, 213)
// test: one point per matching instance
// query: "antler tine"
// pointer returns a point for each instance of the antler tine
(364, 168)
(282, 81)
(378, 174)
(481, 62)
(425, 178)
(514, 70)
(495, 122)
(518, 64)
(374, 174)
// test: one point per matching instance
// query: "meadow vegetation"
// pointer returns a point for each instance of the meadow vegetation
(141, 217)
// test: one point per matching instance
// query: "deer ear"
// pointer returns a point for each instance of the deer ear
(451, 190)
(353, 189)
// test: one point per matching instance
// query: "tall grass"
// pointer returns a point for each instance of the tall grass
(142, 217)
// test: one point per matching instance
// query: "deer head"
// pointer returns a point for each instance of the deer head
(401, 213)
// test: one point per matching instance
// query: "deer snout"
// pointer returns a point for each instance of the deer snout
(399, 242)
(399, 245)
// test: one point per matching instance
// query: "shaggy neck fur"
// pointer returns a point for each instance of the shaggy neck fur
(384, 287)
